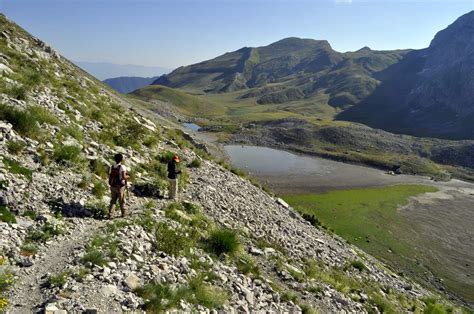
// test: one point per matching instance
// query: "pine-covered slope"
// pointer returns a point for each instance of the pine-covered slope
(227, 245)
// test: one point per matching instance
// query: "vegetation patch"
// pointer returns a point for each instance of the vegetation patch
(223, 241)
(14, 167)
(45, 232)
(27, 122)
(15, 147)
(65, 154)
(160, 297)
(28, 249)
(6, 215)
(58, 280)
(367, 218)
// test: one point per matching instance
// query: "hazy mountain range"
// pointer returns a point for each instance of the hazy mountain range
(105, 70)
(127, 84)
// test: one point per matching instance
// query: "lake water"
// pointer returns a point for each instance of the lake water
(287, 172)
(192, 126)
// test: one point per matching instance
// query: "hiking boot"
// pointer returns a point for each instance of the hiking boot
(124, 213)
(111, 215)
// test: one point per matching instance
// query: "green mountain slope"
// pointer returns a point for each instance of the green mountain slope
(291, 69)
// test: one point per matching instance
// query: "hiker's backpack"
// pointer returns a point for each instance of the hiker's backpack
(115, 179)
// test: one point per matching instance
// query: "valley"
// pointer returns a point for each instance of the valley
(287, 202)
(420, 227)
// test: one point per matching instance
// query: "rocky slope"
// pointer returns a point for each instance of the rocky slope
(225, 245)
(430, 91)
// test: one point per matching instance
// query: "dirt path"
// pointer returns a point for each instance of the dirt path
(27, 295)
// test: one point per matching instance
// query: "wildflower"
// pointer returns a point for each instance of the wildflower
(2, 260)
(3, 304)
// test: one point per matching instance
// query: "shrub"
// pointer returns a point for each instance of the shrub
(6, 215)
(98, 208)
(42, 115)
(58, 280)
(191, 208)
(67, 154)
(99, 189)
(195, 163)
(223, 241)
(15, 167)
(15, 147)
(31, 214)
(205, 294)
(100, 168)
(18, 92)
(81, 274)
(85, 181)
(312, 220)
(246, 265)
(173, 241)
(74, 131)
(159, 297)
(44, 233)
(28, 249)
(358, 265)
(94, 257)
(183, 179)
(21, 120)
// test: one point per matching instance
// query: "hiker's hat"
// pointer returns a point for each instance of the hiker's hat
(176, 158)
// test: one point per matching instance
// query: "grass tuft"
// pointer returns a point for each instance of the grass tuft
(223, 241)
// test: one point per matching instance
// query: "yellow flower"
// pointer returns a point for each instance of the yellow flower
(3, 303)
(2, 260)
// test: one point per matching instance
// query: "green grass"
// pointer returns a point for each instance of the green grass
(223, 241)
(6, 215)
(15, 147)
(67, 154)
(15, 167)
(28, 249)
(160, 297)
(99, 189)
(366, 217)
(44, 232)
(369, 219)
(58, 280)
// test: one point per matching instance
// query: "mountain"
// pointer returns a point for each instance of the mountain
(105, 70)
(288, 70)
(127, 84)
(430, 92)
(228, 247)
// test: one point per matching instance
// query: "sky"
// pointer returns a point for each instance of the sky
(172, 33)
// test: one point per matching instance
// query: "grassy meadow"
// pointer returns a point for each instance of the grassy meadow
(368, 218)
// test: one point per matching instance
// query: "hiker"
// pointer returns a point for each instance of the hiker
(173, 177)
(118, 181)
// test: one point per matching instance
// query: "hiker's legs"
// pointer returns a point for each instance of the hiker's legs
(121, 200)
(114, 196)
(173, 190)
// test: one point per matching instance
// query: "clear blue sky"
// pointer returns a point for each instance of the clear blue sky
(173, 33)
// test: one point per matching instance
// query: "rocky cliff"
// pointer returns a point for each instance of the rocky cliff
(430, 91)
(225, 245)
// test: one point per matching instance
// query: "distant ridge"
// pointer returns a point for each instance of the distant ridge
(105, 70)
(127, 84)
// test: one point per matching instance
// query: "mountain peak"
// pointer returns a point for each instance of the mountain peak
(461, 30)
(300, 42)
